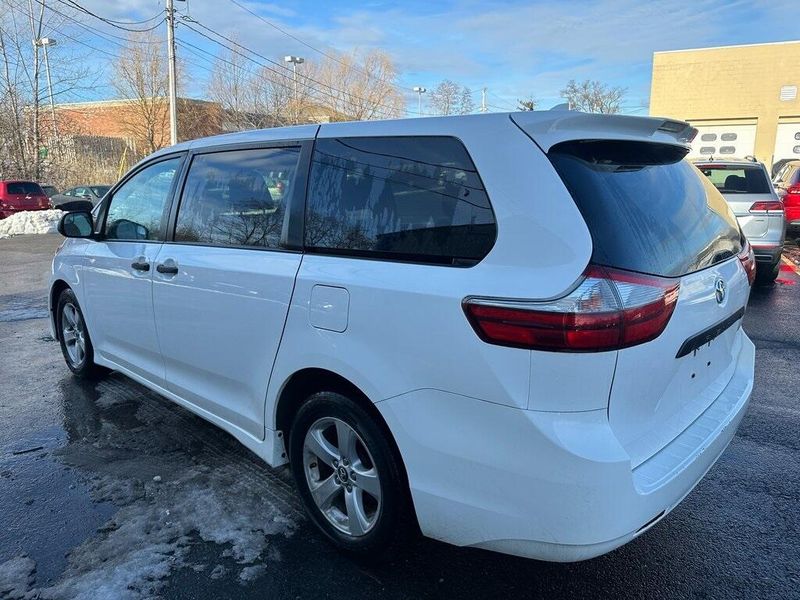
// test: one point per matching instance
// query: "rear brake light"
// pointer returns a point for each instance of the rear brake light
(768, 206)
(610, 309)
(748, 260)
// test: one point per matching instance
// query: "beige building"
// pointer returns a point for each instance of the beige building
(743, 99)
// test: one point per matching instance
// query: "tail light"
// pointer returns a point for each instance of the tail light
(748, 260)
(610, 309)
(768, 206)
(792, 196)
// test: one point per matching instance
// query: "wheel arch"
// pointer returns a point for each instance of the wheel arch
(56, 289)
(305, 382)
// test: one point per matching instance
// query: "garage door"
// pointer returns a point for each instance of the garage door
(724, 141)
(787, 141)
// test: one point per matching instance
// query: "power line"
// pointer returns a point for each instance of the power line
(269, 68)
(72, 4)
(307, 45)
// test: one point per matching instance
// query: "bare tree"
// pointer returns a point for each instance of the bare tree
(527, 104)
(356, 87)
(449, 98)
(141, 77)
(29, 144)
(593, 96)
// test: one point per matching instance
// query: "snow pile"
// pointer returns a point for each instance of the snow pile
(16, 576)
(30, 221)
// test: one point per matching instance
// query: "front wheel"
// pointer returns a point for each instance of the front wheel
(76, 345)
(348, 476)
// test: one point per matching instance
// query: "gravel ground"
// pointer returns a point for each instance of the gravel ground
(108, 491)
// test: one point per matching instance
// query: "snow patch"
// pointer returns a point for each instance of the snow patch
(30, 221)
(17, 576)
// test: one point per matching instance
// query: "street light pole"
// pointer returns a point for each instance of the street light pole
(45, 43)
(420, 90)
(173, 93)
(295, 60)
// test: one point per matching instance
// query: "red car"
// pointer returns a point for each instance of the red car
(787, 184)
(17, 196)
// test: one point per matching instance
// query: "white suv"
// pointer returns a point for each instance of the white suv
(518, 332)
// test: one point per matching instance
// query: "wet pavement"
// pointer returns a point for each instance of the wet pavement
(108, 491)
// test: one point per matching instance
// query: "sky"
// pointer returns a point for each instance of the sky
(514, 49)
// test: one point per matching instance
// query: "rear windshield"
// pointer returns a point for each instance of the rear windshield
(24, 187)
(730, 179)
(646, 208)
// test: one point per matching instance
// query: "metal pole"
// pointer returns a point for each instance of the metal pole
(483, 100)
(419, 103)
(50, 90)
(173, 100)
(296, 107)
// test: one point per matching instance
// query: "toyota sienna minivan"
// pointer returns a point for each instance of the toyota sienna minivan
(518, 332)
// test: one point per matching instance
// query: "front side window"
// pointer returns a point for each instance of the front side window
(237, 198)
(139, 208)
(402, 198)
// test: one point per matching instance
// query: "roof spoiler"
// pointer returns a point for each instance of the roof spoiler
(548, 128)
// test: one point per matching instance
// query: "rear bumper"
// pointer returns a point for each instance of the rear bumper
(548, 485)
(767, 252)
(8, 211)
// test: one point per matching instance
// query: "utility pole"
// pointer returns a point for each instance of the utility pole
(173, 93)
(295, 60)
(420, 90)
(483, 100)
(45, 43)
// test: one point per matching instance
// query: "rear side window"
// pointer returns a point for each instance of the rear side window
(418, 199)
(646, 208)
(730, 179)
(24, 187)
(237, 198)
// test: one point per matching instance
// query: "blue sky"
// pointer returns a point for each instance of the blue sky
(516, 49)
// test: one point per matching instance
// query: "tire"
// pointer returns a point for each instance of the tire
(383, 500)
(767, 277)
(76, 345)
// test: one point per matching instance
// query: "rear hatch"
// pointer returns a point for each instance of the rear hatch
(747, 190)
(25, 195)
(649, 211)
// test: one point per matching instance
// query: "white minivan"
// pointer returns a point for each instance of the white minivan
(518, 332)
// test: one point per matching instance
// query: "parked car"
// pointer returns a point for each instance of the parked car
(442, 321)
(787, 184)
(49, 190)
(746, 187)
(18, 196)
(92, 193)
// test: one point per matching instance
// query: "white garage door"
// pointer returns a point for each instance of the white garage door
(724, 141)
(787, 141)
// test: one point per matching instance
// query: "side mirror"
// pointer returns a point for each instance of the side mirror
(77, 224)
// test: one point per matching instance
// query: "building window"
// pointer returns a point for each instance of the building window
(707, 150)
(728, 137)
(796, 149)
(727, 150)
(788, 92)
(708, 137)
(797, 135)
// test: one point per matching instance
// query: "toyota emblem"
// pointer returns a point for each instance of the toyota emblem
(719, 291)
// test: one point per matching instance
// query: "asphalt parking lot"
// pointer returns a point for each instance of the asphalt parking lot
(108, 491)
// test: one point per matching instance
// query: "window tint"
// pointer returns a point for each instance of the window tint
(728, 137)
(646, 208)
(708, 137)
(237, 198)
(403, 198)
(24, 187)
(139, 208)
(737, 180)
(727, 150)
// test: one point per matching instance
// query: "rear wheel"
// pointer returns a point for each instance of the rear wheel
(348, 476)
(76, 345)
(766, 275)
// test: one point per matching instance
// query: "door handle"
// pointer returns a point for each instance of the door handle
(140, 265)
(167, 269)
